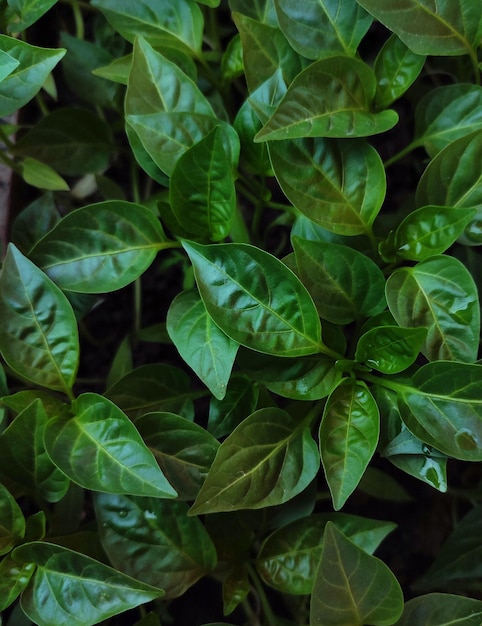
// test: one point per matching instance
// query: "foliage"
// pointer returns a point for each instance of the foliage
(290, 202)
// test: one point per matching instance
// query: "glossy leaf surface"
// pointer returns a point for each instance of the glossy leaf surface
(338, 185)
(12, 521)
(71, 589)
(239, 402)
(100, 247)
(390, 349)
(440, 295)
(38, 334)
(154, 541)
(100, 449)
(441, 609)
(348, 86)
(353, 588)
(255, 299)
(13, 580)
(268, 459)
(348, 437)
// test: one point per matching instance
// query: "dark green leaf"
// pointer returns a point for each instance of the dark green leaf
(353, 588)
(438, 294)
(254, 156)
(322, 29)
(184, 450)
(378, 484)
(339, 185)
(441, 609)
(348, 437)
(34, 222)
(154, 541)
(390, 349)
(12, 521)
(344, 284)
(13, 580)
(255, 299)
(100, 247)
(38, 334)
(261, 10)
(239, 402)
(268, 459)
(71, 589)
(446, 28)
(236, 587)
(348, 86)
(100, 449)
(27, 12)
(35, 64)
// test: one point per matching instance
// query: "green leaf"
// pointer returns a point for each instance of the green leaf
(40, 175)
(353, 588)
(12, 521)
(255, 299)
(268, 459)
(27, 12)
(28, 464)
(72, 141)
(240, 401)
(426, 232)
(38, 334)
(202, 344)
(396, 68)
(13, 580)
(446, 114)
(344, 284)
(184, 450)
(35, 64)
(162, 22)
(445, 28)
(348, 86)
(254, 156)
(236, 587)
(443, 408)
(348, 437)
(35, 221)
(438, 294)
(339, 185)
(100, 449)
(441, 609)
(202, 192)
(154, 541)
(64, 575)
(322, 29)
(261, 10)
(7, 64)
(289, 557)
(390, 349)
(100, 247)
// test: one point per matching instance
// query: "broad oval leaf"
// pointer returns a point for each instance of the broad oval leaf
(339, 185)
(345, 284)
(27, 12)
(443, 408)
(353, 588)
(390, 349)
(71, 589)
(38, 334)
(440, 295)
(348, 86)
(35, 64)
(100, 449)
(446, 28)
(348, 437)
(202, 344)
(268, 459)
(322, 29)
(12, 521)
(255, 299)
(154, 541)
(441, 609)
(100, 247)
(13, 580)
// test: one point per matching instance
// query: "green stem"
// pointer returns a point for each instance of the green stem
(475, 65)
(137, 306)
(271, 618)
(382, 382)
(396, 157)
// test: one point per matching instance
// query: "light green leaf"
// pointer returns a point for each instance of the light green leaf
(268, 459)
(202, 192)
(348, 86)
(154, 541)
(339, 185)
(438, 294)
(446, 28)
(63, 575)
(345, 284)
(35, 64)
(390, 349)
(100, 449)
(172, 22)
(27, 12)
(321, 29)
(202, 344)
(100, 247)
(348, 437)
(7, 64)
(40, 175)
(38, 334)
(12, 521)
(441, 609)
(255, 299)
(353, 588)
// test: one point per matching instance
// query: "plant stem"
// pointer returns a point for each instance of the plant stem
(396, 157)
(271, 618)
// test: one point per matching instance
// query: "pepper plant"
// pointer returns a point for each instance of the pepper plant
(284, 201)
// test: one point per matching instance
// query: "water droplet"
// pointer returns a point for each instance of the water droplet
(123, 513)
(466, 439)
